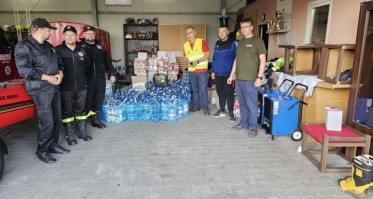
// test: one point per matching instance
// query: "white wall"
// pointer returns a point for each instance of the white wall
(112, 18)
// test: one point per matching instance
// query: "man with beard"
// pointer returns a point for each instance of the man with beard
(100, 62)
(73, 87)
(38, 62)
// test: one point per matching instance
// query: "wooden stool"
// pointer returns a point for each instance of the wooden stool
(346, 138)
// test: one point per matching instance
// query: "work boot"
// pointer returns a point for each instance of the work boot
(360, 181)
(82, 134)
(370, 158)
(70, 137)
(96, 122)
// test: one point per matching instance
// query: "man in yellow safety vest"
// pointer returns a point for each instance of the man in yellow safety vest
(196, 52)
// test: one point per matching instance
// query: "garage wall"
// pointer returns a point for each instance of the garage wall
(50, 9)
(111, 18)
(343, 24)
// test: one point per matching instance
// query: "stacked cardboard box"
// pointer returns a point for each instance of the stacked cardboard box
(140, 66)
(163, 62)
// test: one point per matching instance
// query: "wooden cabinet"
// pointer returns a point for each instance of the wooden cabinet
(359, 115)
(172, 37)
(314, 111)
(139, 38)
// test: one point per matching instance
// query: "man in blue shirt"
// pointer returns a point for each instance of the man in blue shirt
(224, 56)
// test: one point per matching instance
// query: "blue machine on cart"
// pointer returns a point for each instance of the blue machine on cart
(281, 114)
(270, 93)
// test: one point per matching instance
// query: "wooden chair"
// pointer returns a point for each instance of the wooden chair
(337, 139)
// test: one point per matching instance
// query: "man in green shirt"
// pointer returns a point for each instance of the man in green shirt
(248, 69)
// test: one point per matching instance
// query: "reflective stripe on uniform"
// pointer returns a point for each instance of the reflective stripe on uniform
(90, 113)
(83, 117)
(67, 120)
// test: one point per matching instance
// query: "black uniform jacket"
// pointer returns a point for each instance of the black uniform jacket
(76, 63)
(33, 60)
(100, 60)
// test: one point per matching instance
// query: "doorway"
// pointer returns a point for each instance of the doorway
(264, 35)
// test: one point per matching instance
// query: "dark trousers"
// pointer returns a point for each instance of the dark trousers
(247, 95)
(225, 92)
(48, 107)
(73, 105)
(95, 94)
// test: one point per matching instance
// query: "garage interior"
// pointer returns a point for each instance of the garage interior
(201, 156)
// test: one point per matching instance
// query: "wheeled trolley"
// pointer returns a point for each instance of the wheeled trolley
(270, 93)
(281, 114)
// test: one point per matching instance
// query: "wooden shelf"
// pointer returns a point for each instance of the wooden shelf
(141, 39)
(132, 46)
(305, 59)
(137, 52)
(134, 24)
(278, 31)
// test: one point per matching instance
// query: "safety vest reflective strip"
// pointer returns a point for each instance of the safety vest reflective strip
(195, 54)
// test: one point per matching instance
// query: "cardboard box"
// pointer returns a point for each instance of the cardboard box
(139, 65)
(152, 62)
(171, 57)
(142, 55)
(162, 69)
(172, 76)
(151, 75)
(139, 82)
(333, 118)
(161, 54)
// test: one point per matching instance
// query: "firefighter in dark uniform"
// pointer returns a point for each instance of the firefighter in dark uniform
(73, 87)
(100, 63)
(38, 62)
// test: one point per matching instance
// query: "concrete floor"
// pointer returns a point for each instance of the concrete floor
(197, 157)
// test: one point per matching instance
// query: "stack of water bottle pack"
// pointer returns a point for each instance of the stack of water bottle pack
(169, 103)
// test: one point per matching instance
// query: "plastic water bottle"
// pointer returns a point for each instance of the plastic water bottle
(131, 114)
(185, 108)
(104, 111)
(146, 111)
(112, 114)
(156, 112)
(172, 113)
(164, 110)
(123, 110)
(180, 109)
(139, 111)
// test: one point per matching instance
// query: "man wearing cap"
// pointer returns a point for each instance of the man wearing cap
(100, 63)
(73, 87)
(38, 62)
